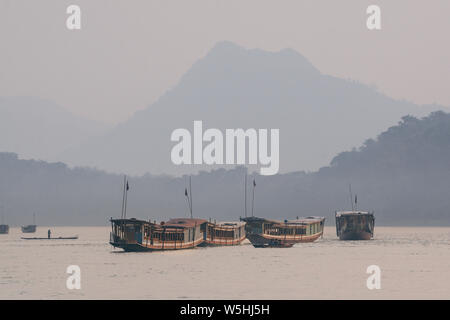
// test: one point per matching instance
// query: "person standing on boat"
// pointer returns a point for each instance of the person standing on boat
(49, 233)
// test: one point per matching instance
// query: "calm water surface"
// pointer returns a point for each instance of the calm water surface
(414, 262)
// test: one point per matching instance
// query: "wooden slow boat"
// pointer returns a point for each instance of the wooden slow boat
(264, 233)
(56, 238)
(175, 234)
(29, 229)
(224, 233)
(4, 229)
(355, 225)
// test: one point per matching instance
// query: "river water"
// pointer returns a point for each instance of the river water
(414, 264)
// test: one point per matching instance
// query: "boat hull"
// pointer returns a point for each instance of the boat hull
(59, 238)
(166, 246)
(222, 242)
(265, 241)
(131, 247)
(355, 236)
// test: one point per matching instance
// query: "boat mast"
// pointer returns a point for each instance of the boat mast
(188, 197)
(351, 196)
(126, 200)
(190, 192)
(245, 195)
(123, 196)
(121, 228)
(253, 196)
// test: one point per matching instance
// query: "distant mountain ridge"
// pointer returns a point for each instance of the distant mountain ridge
(232, 87)
(403, 175)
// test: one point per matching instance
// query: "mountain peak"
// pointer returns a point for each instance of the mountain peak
(226, 46)
(287, 58)
(235, 87)
(227, 57)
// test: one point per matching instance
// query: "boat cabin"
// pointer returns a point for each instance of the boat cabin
(225, 233)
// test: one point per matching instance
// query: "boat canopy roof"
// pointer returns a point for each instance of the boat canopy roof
(299, 221)
(177, 223)
(131, 220)
(303, 221)
(230, 225)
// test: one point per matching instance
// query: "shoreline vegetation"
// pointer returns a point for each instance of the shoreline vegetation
(402, 175)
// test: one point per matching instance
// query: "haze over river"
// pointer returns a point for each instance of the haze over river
(414, 262)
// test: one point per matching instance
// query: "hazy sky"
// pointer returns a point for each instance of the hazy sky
(130, 52)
